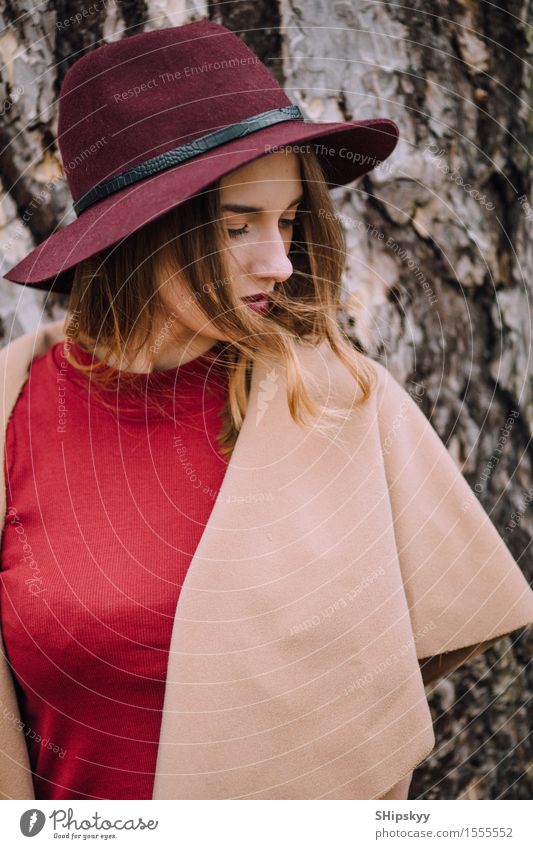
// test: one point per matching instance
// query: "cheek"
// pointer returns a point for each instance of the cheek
(237, 270)
(184, 306)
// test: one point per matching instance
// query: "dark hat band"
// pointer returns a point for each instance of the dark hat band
(186, 151)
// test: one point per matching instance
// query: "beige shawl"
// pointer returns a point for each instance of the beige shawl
(329, 569)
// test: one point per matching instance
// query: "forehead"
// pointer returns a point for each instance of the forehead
(273, 177)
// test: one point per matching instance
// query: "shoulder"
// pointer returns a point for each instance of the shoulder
(32, 344)
(332, 377)
(16, 358)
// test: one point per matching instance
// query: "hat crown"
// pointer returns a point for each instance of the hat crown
(130, 100)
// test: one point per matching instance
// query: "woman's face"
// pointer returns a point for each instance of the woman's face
(258, 203)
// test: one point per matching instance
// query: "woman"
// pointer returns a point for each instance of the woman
(234, 549)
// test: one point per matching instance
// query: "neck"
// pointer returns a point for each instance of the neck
(157, 358)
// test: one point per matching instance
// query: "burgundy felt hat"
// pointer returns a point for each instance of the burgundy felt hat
(149, 121)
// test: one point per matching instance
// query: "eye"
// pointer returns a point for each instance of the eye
(234, 233)
(285, 223)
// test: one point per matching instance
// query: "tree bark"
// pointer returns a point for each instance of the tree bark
(438, 279)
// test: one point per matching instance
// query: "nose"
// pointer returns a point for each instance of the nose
(269, 262)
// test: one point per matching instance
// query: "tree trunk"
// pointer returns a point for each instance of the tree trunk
(438, 279)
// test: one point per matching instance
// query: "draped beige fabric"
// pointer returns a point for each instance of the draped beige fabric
(336, 575)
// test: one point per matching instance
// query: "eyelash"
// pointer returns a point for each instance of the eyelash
(233, 234)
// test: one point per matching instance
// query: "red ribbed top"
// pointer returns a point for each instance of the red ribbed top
(107, 497)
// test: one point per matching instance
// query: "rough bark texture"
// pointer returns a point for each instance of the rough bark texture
(438, 279)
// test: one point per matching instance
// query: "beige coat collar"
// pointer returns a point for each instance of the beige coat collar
(327, 570)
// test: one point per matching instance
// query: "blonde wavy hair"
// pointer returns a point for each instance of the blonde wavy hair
(114, 300)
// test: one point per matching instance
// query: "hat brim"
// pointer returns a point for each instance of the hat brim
(50, 265)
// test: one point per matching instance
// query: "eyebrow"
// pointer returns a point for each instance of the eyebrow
(239, 207)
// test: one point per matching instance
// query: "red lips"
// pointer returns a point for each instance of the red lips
(259, 302)
(259, 305)
(261, 296)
